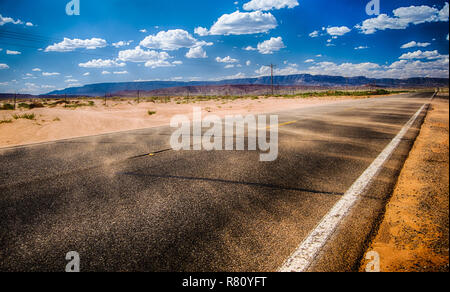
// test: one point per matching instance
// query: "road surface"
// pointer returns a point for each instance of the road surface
(189, 211)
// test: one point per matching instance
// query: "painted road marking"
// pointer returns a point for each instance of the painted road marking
(305, 254)
(284, 124)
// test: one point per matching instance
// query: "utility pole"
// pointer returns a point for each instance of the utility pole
(271, 78)
(138, 96)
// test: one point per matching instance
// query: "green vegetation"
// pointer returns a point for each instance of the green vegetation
(5, 122)
(7, 107)
(151, 113)
(31, 105)
(77, 104)
(24, 116)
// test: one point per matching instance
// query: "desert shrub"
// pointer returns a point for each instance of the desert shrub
(7, 107)
(24, 116)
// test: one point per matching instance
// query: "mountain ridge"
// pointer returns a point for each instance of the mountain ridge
(100, 89)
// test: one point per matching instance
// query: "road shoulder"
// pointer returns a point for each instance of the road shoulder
(413, 236)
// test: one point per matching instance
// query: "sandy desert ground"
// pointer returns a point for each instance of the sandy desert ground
(60, 122)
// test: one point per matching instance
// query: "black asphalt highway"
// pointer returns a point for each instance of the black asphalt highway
(189, 211)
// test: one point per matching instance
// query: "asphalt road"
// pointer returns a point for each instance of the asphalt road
(122, 210)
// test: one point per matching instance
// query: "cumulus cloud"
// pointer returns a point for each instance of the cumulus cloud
(172, 40)
(310, 61)
(227, 60)
(36, 70)
(8, 52)
(404, 17)
(430, 55)
(139, 55)
(120, 72)
(122, 44)
(264, 5)
(5, 20)
(314, 34)
(3, 66)
(291, 69)
(241, 23)
(338, 30)
(69, 45)
(151, 58)
(271, 46)
(414, 44)
(48, 74)
(196, 53)
(100, 63)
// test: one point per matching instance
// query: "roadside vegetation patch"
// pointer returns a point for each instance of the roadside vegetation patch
(5, 122)
(24, 116)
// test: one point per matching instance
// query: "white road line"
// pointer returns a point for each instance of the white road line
(306, 253)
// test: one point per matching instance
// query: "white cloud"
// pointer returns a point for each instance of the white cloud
(250, 48)
(196, 53)
(36, 70)
(177, 63)
(413, 44)
(229, 66)
(120, 72)
(122, 44)
(71, 80)
(338, 30)
(5, 20)
(50, 74)
(361, 48)
(172, 40)
(158, 63)
(8, 52)
(100, 63)
(69, 45)
(29, 24)
(87, 74)
(3, 66)
(404, 17)
(248, 63)
(271, 46)
(106, 72)
(227, 60)
(314, 34)
(241, 23)
(291, 69)
(430, 55)
(143, 30)
(201, 31)
(151, 58)
(264, 5)
(309, 61)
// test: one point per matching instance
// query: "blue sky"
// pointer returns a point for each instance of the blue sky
(42, 48)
